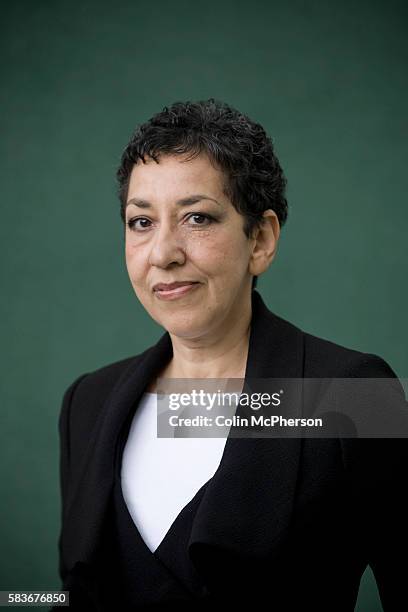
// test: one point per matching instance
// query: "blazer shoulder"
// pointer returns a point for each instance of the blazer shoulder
(100, 381)
(85, 396)
(324, 358)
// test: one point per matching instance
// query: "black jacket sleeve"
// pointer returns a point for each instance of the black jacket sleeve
(64, 470)
(377, 471)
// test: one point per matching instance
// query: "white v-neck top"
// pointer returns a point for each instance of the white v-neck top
(160, 476)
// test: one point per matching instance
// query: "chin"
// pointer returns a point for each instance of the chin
(185, 327)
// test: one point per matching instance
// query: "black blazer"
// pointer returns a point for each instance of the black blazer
(294, 520)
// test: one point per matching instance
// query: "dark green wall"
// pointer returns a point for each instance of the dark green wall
(328, 82)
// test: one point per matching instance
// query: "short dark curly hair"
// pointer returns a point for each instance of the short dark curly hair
(238, 146)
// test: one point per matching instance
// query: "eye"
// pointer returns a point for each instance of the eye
(200, 219)
(144, 224)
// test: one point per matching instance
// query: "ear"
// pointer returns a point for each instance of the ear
(265, 243)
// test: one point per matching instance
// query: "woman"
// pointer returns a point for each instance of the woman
(150, 523)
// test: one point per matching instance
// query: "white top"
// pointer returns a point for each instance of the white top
(160, 476)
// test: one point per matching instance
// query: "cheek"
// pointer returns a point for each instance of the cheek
(218, 253)
(136, 258)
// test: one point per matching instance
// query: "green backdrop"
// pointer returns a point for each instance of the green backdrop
(328, 80)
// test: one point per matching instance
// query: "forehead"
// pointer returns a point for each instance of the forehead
(176, 175)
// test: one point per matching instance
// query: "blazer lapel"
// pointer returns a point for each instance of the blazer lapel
(88, 502)
(245, 508)
(247, 505)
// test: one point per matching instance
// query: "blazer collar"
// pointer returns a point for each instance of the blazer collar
(245, 508)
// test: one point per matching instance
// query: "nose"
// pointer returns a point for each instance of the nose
(167, 248)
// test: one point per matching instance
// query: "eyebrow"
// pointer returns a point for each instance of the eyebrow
(188, 201)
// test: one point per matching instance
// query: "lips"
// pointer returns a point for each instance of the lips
(176, 290)
(171, 286)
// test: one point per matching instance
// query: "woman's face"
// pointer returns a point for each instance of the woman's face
(181, 227)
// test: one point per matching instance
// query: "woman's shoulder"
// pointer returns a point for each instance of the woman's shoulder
(325, 358)
(322, 358)
(87, 393)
